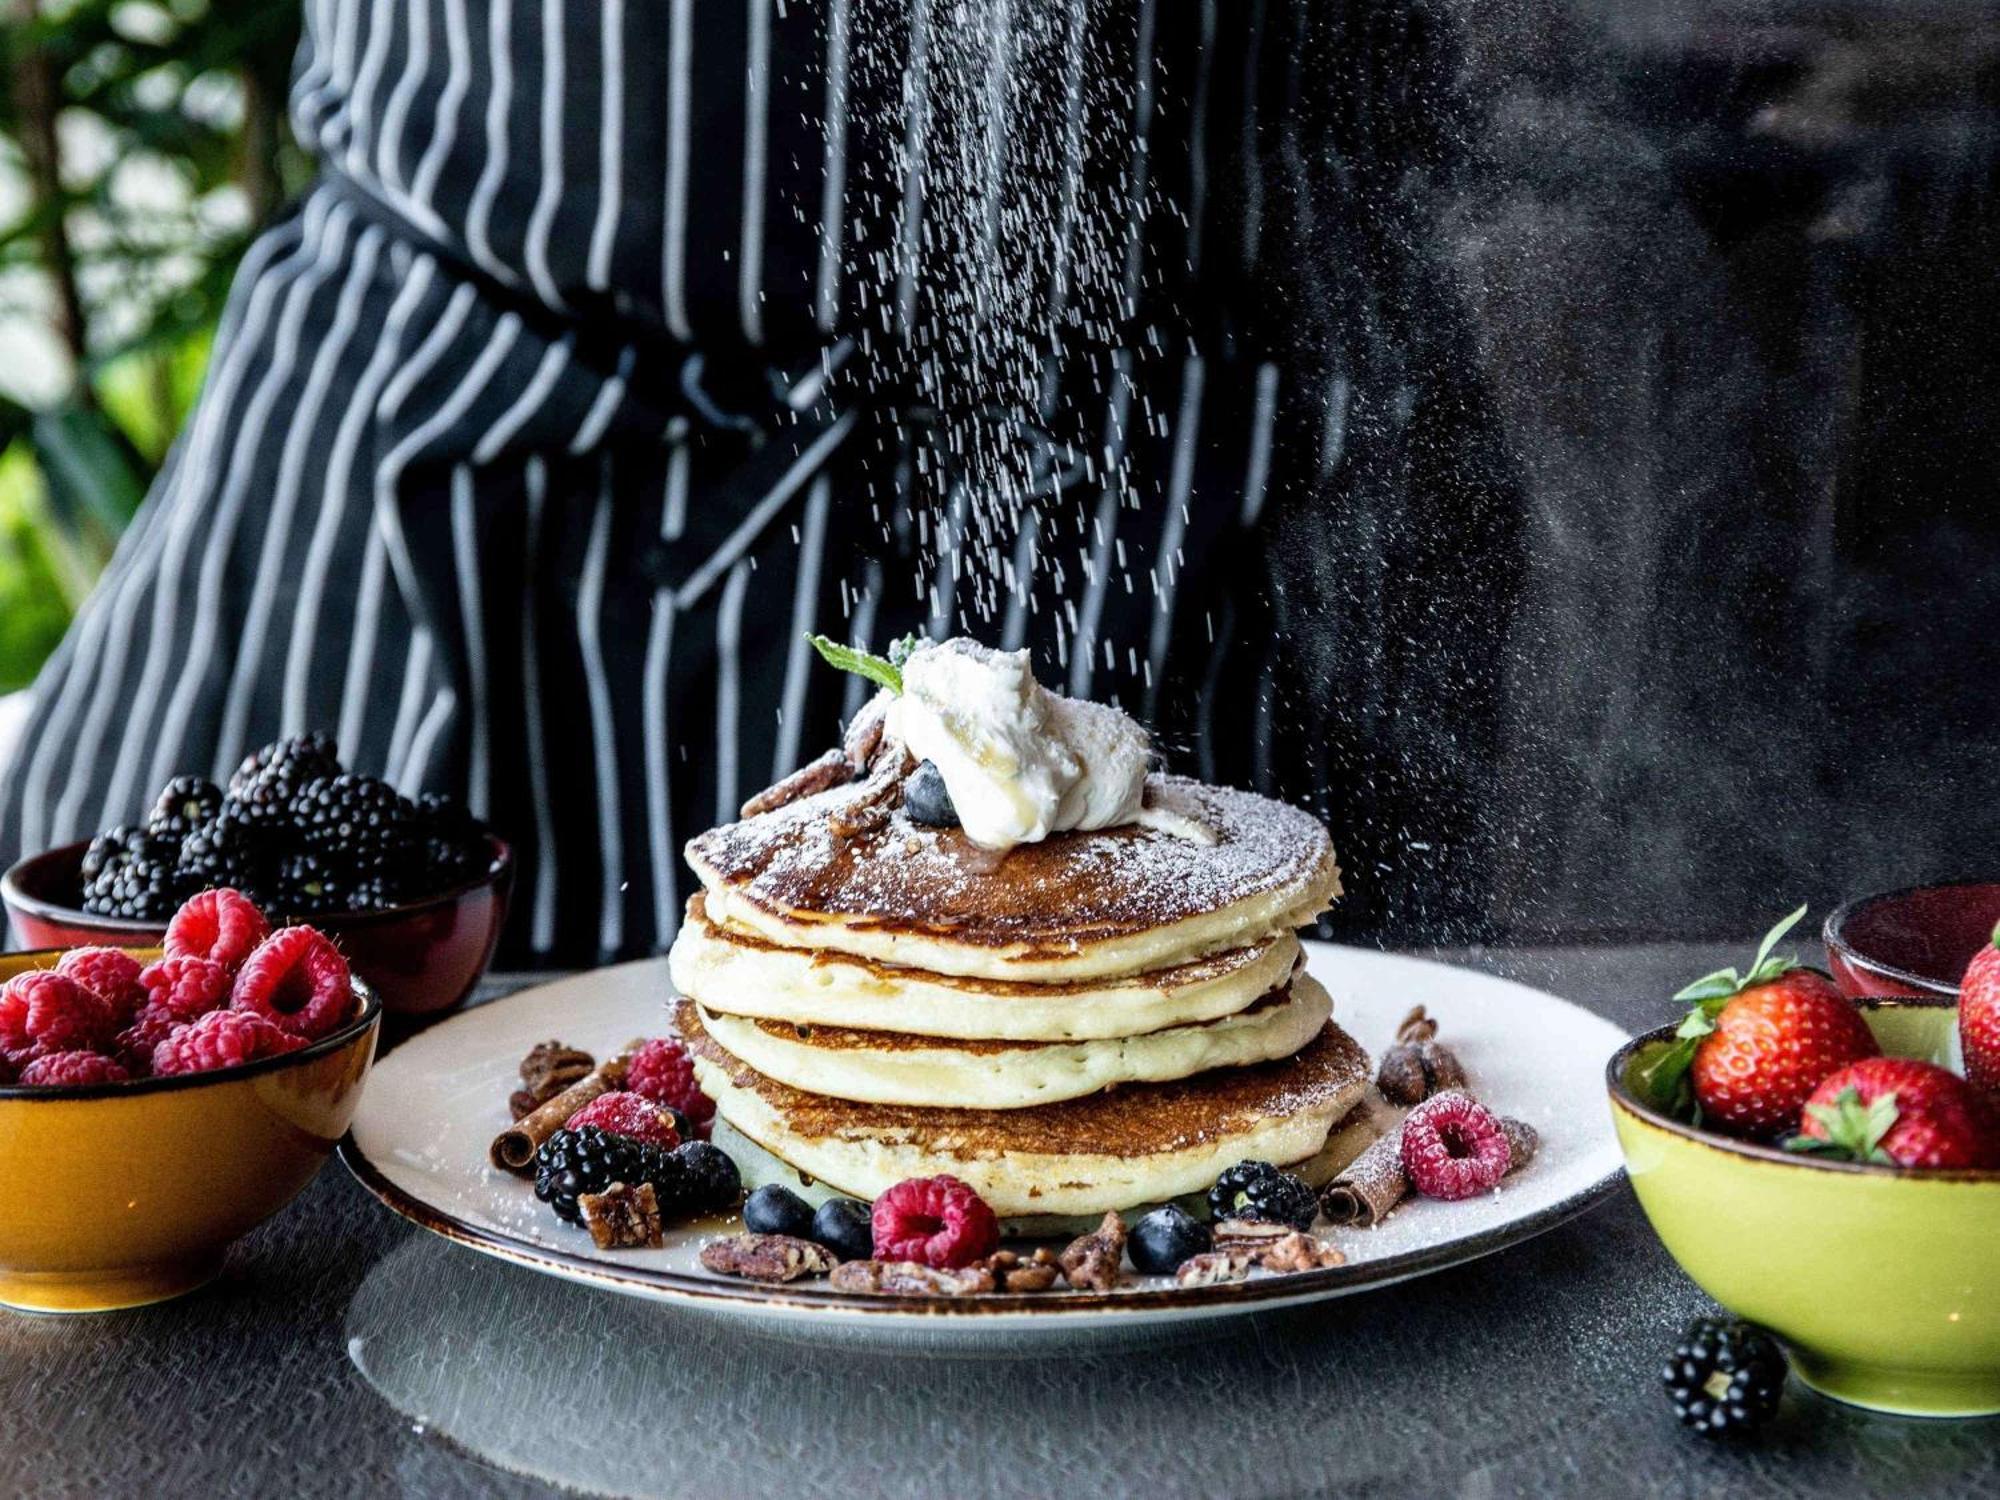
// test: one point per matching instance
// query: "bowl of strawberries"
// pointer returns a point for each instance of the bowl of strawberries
(1829, 1168)
(156, 1104)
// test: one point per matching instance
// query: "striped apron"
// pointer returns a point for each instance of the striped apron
(539, 433)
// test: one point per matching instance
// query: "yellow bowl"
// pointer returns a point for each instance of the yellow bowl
(116, 1195)
(1882, 1283)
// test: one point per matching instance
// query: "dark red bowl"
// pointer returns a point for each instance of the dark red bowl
(1913, 942)
(422, 958)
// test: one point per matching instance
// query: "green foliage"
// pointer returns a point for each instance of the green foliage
(172, 153)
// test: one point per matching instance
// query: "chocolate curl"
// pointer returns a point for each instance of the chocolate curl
(1371, 1186)
(1374, 1183)
(514, 1149)
(1418, 1065)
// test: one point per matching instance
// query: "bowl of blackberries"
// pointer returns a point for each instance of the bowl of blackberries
(413, 889)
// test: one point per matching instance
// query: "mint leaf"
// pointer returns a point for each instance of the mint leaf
(883, 671)
(900, 649)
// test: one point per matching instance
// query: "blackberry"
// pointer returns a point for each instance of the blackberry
(712, 1179)
(132, 876)
(264, 786)
(377, 891)
(454, 842)
(228, 850)
(360, 819)
(185, 803)
(1724, 1378)
(574, 1162)
(108, 848)
(1257, 1190)
(307, 885)
(295, 761)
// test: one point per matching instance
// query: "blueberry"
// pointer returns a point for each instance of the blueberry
(1166, 1237)
(845, 1226)
(927, 800)
(773, 1209)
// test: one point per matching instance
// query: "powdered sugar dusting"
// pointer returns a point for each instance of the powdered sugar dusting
(1072, 886)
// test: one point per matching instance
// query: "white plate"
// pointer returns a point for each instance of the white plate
(433, 1104)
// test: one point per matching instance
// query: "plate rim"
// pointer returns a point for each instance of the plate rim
(809, 1300)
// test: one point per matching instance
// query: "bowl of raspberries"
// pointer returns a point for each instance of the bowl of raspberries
(157, 1103)
(414, 889)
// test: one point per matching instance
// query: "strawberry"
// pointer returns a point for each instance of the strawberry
(1979, 1016)
(1900, 1112)
(1756, 1045)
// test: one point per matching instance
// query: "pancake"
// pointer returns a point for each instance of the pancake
(893, 1067)
(741, 974)
(1352, 1134)
(1117, 901)
(1111, 1150)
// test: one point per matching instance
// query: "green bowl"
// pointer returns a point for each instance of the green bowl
(1882, 1283)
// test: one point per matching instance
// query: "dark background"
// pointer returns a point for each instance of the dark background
(1659, 584)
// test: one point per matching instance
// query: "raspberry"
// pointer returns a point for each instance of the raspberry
(111, 974)
(43, 1012)
(934, 1221)
(1454, 1148)
(74, 1067)
(297, 980)
(220, 1039)
(182, 988)
(219, 925)
(664, 1073)
(631, 1115)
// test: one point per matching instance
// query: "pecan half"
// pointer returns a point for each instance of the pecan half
(766, 1257)
(1418, 1065)
(1011, 1273)
(830, 770)
(1253, 1235)
(548, 1069)
(1094, 1262)
(623, 1218)
(1300, 1252)
(906, 1278)
(1212, 1266)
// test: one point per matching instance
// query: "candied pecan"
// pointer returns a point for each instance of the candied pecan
(907, 1278)
(1094, 1262)
(1523, 1141)
(1212, 1266)
(766, 1257)
(623, 1218)
(1299, 1252)
(830, 770)
(1418, 1065)
(1254, 1235)
(546, 1071)
(1013, 1274)
(864, 733)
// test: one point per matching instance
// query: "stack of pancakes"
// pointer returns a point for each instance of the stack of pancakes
(1097, 1021)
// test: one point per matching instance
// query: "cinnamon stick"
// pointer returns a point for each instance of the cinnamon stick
(514, 1148)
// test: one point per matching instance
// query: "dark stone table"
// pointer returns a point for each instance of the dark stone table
(1531, 1372)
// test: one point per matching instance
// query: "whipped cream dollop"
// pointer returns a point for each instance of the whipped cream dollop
(1019, 761)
